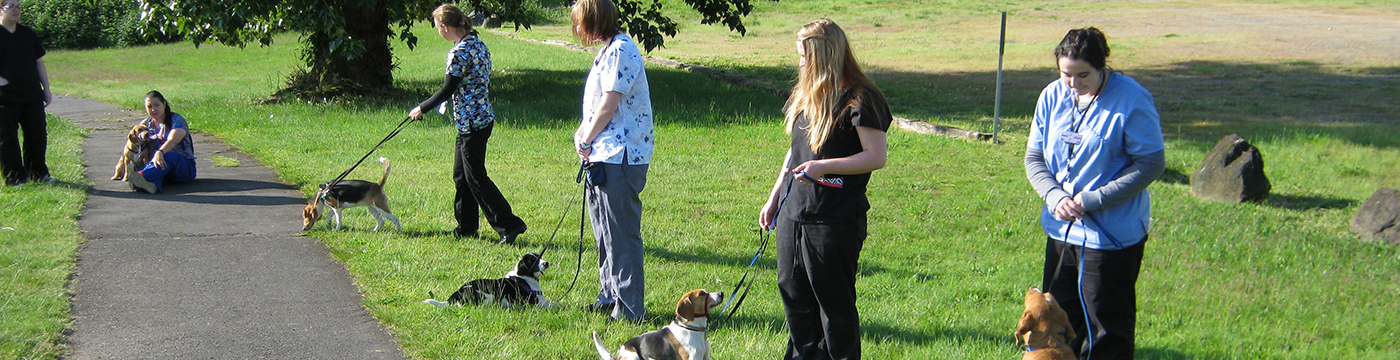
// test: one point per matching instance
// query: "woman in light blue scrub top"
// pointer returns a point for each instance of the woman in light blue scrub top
(1095, 144)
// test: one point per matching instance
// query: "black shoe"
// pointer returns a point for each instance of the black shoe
(509, 238)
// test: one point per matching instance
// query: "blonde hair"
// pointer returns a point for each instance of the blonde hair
(830, 68)
(451, 15)
(594, 20)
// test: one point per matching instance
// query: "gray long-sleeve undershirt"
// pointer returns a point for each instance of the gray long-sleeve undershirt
(1134, 179)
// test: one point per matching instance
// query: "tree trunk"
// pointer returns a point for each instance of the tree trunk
(351, 67)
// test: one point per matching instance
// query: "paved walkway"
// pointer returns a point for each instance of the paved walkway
(224, 277)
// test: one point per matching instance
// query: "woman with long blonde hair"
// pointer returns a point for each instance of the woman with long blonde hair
(837, 118)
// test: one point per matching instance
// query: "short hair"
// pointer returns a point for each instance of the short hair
(451, 15)
(1087, 44)
(595, 20)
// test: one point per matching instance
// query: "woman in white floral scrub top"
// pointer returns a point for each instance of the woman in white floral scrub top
(615, 136)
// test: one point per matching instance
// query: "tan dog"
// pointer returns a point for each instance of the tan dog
(1044, 328)
(684, 339)
(135, 154)
(346, 194)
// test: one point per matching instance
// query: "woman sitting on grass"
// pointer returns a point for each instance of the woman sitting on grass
(173, 158)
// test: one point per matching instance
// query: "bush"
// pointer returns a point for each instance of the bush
(85, 24)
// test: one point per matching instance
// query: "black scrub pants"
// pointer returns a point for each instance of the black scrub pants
(1110, 289)
(475, 189)
(817, 279)
(30, 164)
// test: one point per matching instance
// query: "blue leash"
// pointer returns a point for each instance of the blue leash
(764, 236)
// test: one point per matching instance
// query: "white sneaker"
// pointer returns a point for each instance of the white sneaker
(48, 180)
(138, 181)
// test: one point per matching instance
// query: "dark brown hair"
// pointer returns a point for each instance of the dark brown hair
(595, 20)
(1088, 44)
(157, 95)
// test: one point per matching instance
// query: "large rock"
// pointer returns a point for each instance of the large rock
(1379, 217)
(1232, 172)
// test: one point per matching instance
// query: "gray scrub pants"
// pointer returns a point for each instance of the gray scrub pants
(615, 210)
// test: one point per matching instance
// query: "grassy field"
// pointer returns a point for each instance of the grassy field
(38, 237)
(954, 241)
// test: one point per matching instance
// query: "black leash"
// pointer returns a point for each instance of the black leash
(396, 131)
(764, 236)
(578, 267)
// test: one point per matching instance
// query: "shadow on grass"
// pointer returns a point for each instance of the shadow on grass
(1200, 101)
(1172, 176)
(1302, 202)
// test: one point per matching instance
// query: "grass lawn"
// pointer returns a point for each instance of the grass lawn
(38, 237)
(953, 240)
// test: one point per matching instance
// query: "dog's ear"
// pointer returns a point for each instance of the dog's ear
(685, 308)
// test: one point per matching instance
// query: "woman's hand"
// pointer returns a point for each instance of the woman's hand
(1070, 209)
(814, 169)
(583, 153)
(158, 158)
(416, 113)
(765, 215)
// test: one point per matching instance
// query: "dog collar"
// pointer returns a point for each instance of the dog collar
(525, 285)
(1028, 348)
(678, 323)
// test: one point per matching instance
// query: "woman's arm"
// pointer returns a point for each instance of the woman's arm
(176, 136)
(44, 80)
(588, 131)
(770, 208)
(1059, 200)
(1144, 170)
(449, 86)
(870, 158)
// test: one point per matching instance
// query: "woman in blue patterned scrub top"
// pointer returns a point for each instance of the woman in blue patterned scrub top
(615, 136)
(468, 74)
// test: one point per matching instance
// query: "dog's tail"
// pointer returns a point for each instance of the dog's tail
(602, 350)
(386, 171)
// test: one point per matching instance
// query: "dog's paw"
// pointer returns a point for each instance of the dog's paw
(436, 303)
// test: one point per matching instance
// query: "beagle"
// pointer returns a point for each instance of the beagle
(135, 153)
(520, 286)
(346, 194)
(683, 339)
(1044, 328)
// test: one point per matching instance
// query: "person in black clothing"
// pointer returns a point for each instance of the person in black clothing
(468, 74)
(24, 93)
(837, 118)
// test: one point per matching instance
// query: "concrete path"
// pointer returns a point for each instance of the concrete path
(222, 276)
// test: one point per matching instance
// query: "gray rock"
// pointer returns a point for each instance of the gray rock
(1379, 217)
(493, 22)
(1232, 172)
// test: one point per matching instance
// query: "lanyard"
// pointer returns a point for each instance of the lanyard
(1084, 113)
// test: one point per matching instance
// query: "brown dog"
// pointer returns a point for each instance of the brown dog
(684, 339)
(135, 153)
(1044, 328)
(346, 194)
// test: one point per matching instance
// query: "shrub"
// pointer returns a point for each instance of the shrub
(85, 24)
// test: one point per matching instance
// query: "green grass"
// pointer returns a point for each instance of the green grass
(38, 237)
(954, 240)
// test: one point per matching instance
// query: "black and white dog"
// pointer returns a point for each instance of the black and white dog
(520, 286)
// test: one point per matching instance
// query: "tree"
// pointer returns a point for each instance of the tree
(346, 43)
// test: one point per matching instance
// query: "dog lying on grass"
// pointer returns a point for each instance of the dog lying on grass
(683, 339)
(1044, 329)
(346, 194)
(520, 286)
(136, 154)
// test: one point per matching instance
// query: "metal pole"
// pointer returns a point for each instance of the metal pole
(1001, 51)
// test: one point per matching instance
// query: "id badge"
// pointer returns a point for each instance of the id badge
(1071, 138)
(442, 108)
